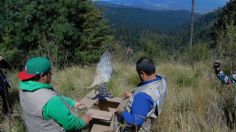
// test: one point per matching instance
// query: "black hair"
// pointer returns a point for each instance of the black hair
(38, 76)
(146, 65)
(35, 78)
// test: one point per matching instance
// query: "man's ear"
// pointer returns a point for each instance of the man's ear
(43, 77)
(142, 74)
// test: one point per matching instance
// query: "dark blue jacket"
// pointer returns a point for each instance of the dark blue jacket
(141, 106)
(226, 79)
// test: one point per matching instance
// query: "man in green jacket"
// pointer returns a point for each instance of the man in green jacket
(43, 109)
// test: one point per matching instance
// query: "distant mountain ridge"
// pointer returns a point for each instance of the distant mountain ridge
(136, 18)
(202, 6)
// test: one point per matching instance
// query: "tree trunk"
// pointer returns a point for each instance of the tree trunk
(192, 24)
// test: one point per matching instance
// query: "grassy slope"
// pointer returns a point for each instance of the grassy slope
(193, 102)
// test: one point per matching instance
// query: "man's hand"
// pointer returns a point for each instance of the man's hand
(119, 111)
(78, 104)
(87, 118)
(128, 94)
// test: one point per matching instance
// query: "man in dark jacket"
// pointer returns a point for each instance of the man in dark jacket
(229, 98)
(146, 102)
(225, 79)
(4, 85)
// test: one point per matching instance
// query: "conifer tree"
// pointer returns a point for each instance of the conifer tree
(71, 31)
(224, 35)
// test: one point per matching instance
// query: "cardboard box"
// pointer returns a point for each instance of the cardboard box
(102, 110)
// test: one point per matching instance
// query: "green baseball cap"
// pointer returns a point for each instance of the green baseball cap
(35, 66)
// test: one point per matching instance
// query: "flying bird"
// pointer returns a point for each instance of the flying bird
(103, 75)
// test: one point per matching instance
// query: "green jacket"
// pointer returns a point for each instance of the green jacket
(55, 108)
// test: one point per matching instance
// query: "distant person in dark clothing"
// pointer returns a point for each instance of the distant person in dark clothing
(229, 99)
(4, 85)
(225, 79)
(130, 52)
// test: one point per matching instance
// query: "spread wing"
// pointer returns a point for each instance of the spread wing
(103, 70)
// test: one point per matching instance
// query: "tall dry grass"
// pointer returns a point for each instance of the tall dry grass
(195, 99)
(194, 102)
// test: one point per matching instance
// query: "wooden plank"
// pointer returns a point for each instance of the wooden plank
(98, 114)
(114, 99)
(113, 110)
(89, 100)
(101, 128)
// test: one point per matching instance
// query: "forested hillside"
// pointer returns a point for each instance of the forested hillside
(57, 30)
(165, 34)
(69, 32)
(140, 19)
(204, 25)
(224, 35)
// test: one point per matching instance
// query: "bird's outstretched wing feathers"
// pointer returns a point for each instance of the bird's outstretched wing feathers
(103, 74)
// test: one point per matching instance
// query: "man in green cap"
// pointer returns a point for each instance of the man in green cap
(44, 110)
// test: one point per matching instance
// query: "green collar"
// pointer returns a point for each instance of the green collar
(33, 85)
